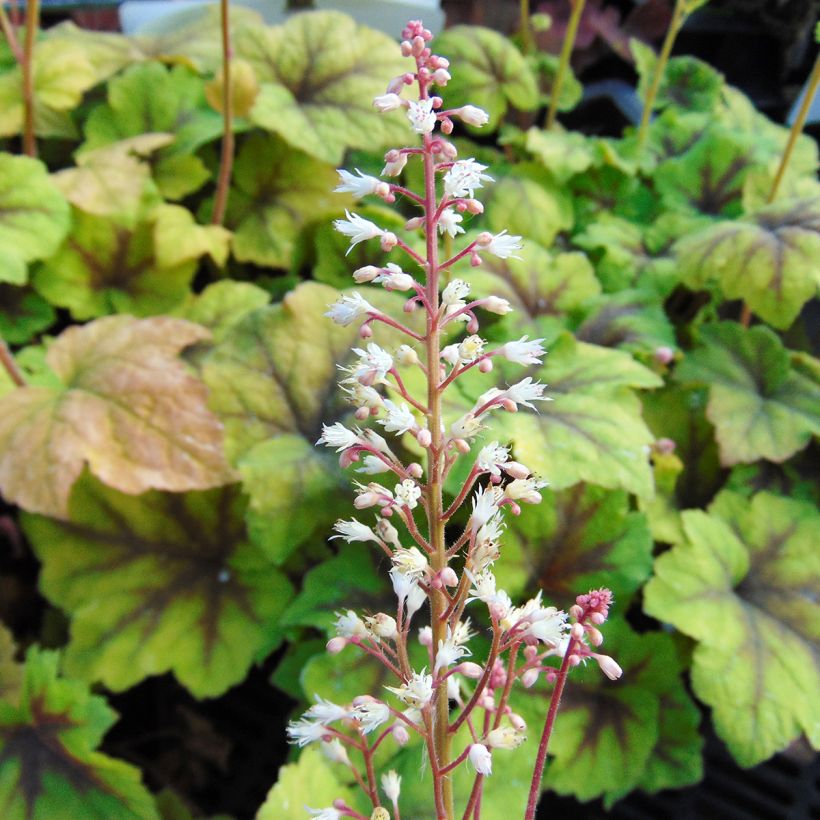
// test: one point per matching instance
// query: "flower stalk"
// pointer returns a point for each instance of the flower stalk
(563, 62)
(227, 149)
(27, 67)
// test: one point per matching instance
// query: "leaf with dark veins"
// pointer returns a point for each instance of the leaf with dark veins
(159, 582)
(48, 754)
(743, 585)
(770, 259)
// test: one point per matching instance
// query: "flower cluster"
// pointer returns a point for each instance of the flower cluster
(452, 689)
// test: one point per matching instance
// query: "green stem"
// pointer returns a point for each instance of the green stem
(678, 19)
(227, 152)
(563, 63)
(526, 31)
(10, 365)
(32, 25)
(8, 30)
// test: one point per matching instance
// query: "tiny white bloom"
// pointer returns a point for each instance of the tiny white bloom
(455, 293)
(387, 102)
(467, 427)
(337, 435)
(371, 495)
(417, 692)
(463, 177)
(470, 349)
(609, 666)
(301, 732)
(391, 783)
(335, 752)
(325, 711)
(449, 651)
(349, 625)
(360, 395)
(450, 222)
(353, 530)
(410, 562)
(491, 456)
(415, 600)
(523, 351)
(399, 419)
(449, 354)
(485, 507)
(421, 115)
(395, 165)
(505, 737)
(525, 392)
(350, 308)
(473, 115)
(329, 813)
(504, 245)
(371, 714)
(373, 365)
(357, 228)
(484, 589)
(394, 278)
(406, 356)
(403, 584)
(481, 758)
(525, 489)
(372, 465)
(381, 625)
(359, 186)
(495, 304)
(408, 493)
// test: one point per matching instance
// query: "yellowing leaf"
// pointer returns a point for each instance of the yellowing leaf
(126, 406)
(244, 88)
(178, 238)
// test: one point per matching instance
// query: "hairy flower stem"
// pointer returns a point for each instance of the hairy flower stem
(563, 63)
(32, 25)
(540, 760)
(10, 365)
(227, 151)
(679, 16)
(797, 129)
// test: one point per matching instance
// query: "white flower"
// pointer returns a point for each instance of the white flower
(481, 758)
(455, 293)
(391, 783)
(335, 752)
(403, 584)
(406, 356)
(325, 711)
(325, 814)
(473, 115)
(471, 348)
(421, 115)
(408, 493)
(450, 650)
(371, 714)
(350, 625)
(415, 600)
(394, 278)
(399, 419)
(505, 737)
(373, 365)
(361, 185)
(609, 666)
(495, 304)
(524, 352)
(360, 395)
(337, 435)
(387, 102)
(394, 163)
(372, 465)
(388, 533)
(503, 245)
(410, 562)
(353, 530)
(484, 589)
(491, 456)
(485, 506)
(525, 489)
(301, 732)
(450, 222)
(350, 308)
(357, 228)
(462, 632)
(545, 624)
(525, 392)
(449, 354)
(463, 177)
(370, 495)
(467, 427)
(417, 692)
(381, 625)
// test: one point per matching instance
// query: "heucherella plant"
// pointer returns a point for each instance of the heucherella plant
(452, 689)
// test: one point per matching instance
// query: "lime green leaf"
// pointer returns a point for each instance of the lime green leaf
(563, 153)
(761, 406)
(529, 203)
(749, 568)
(581, 538)
(771, 259)
(244, 88)
(319, 74)
(11, 672)
(492, 73)
(107, 52)
(309, 782)
(34, 216)
(275, 190)
(687, 83)
(47, 752)
(125, 405)
(157, 583)
(341, 678)
(108, 266)
(546, 68)
(221, 305)
(592, 430)
(179, 239)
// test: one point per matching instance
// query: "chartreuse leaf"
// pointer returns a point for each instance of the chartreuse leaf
(11, 672)
(179, 239)
(310, 782)
(158, 582)
(576, 539)
(275, 190)
(607, 739)
(48, 763)
(770, 259)
(149, 98)
(122, 403)
(34, 216)
(318, 75)
(109, 265)
(492, 72)
(563, 153)
(592, 430)
(761, 406)
(546, 67)
(750, 568)
(221, 305)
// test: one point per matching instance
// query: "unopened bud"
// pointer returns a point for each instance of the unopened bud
(664, 354)
(448, 150)
(406, 48)
(410, 305)
(448, 577)
(470, 670)
(609, 667)
(415, 469)
(426, 636)
(462, 446)
(594, 635)
(365, 331)
(424, 438)
(473, 115)
(441, 76)
(363, 413)
(380, 813)
(665, 446)
(597, 618)
(475, 259)
(495, 304)
(400, 733)
(446, 126)
(414, 224)
(474, 206)
(417, 45)
(336, 645)
(485, 365)
(577, 631)
(389, 241)
(517, 721)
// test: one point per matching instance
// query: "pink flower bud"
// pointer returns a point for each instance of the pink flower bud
(336, 645)
(462, 446)
(417, 45)
(470, 670)
(474, 206)
(448, 150)
(509, 405)
(575, 611)
(608, 666)
(437, 102)
(441, 76)
(415, 469)
(449, 577)
(665, 446)
(348, 457)
(446, 126)
(473, 115)
(574, 660)
(410, 305)
(594, 635)
(424, 438)
(597, 618)
(406, 48)
(518, 723)
(395, 85)
(363, 413)
(414, 224)
(408, 78)
(664, 354)
(485, 365)
(365, 331)
(400, 733)
(475, 259)
(389, 241)
(529, 678)
(577, 631)
(530, 652)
